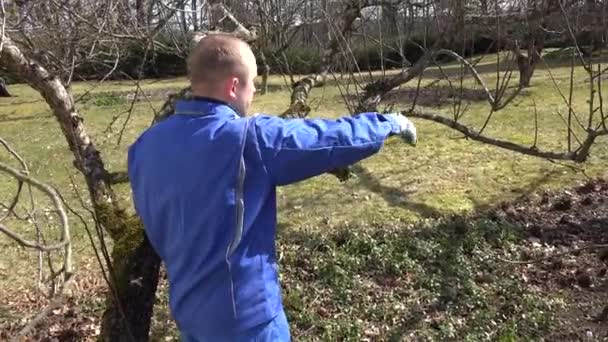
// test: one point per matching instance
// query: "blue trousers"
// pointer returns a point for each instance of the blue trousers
(276, 330)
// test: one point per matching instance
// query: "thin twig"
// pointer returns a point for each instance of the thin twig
(562, 95)
(103, 79)
(485, 124)
(130, 111)
(601, 99)
(15, 154)
(535, 124)
(570, 101)
(104, 272)
(10, 208)
(565, 122)
(417, 92)
(111, 280)
(573, 36)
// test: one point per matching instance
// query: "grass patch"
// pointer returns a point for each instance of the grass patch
(438, 281)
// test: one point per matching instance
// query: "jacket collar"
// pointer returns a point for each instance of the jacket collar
(202, 106)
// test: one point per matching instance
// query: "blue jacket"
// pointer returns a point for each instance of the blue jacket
(203, 183)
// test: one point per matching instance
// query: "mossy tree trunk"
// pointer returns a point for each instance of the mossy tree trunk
(135, 264)
(136, 268)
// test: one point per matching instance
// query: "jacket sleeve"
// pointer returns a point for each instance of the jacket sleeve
(296, 149)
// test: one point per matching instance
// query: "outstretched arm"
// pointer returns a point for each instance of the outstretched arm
(296, 149)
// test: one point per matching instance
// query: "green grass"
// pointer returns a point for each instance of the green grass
(375, 227)
(439, 281)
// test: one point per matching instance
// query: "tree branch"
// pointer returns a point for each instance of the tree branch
(373, 92)
(87, 157)
(531, 151)
(11, 207)
(63, 218)
(120, 177)
(298, 107)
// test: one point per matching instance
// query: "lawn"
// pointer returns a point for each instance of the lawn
(385, 257)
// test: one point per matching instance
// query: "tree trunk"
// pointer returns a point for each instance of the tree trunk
(526, 70)
(266, 73)
(135, 270)
(140, 10)
(527, 63)
(3, 89)
(136, 266)
(184, 18)
(195, 14)
(484, 7)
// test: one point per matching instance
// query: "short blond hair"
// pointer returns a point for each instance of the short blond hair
(217, 57)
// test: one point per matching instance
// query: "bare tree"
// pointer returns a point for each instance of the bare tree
(43, 45)
(98, 33)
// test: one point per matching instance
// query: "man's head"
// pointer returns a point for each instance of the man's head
(224, 67)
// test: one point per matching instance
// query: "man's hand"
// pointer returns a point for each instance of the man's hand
(405, 128)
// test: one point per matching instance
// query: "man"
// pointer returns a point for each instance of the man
(204, 183)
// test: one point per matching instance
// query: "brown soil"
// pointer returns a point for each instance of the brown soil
(574, 223)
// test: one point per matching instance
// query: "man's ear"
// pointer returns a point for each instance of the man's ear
(233, 84)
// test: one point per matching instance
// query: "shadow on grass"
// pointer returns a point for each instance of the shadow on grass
(409, 280)
(520, 192)
(394, 196)
(16, 118)
(443, 279)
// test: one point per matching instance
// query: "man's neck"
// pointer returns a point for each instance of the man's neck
(209, 99)
(208, 95)
(205, 96)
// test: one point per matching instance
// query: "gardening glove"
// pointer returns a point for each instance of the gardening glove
(403, 127)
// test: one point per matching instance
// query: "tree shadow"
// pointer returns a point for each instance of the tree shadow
(9, 118)
(452, 258)
(442, 254)
(521, 192)
(396, 197)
